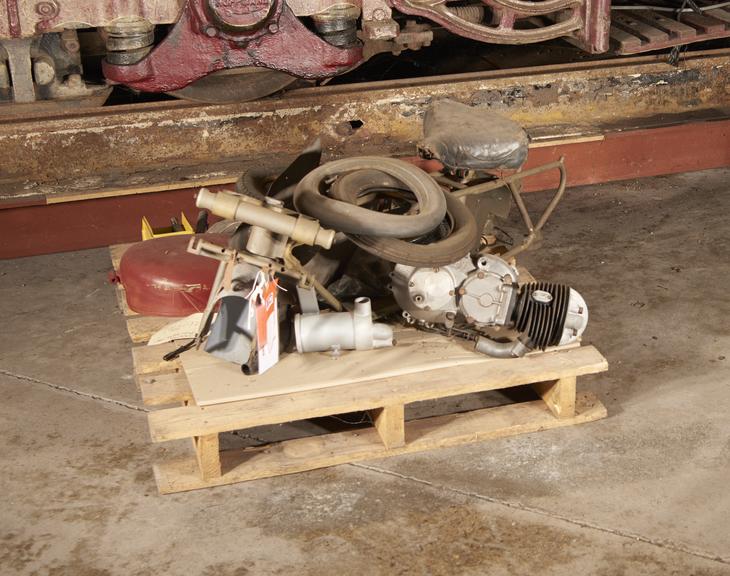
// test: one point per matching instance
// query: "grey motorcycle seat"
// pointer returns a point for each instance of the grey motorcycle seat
(467, 138)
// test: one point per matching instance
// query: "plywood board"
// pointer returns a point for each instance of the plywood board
(214, 381)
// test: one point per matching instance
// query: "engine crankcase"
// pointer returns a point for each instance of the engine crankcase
(482, 292)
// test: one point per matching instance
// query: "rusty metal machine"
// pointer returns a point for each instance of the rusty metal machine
(223, 50)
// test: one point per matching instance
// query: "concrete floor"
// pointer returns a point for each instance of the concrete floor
(642, 492)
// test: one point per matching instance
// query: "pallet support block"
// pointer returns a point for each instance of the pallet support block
(390, 425)
(207, 451)
(559, 395)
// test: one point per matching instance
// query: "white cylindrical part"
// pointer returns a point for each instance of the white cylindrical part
(363, 307)
(344, 330)
(249, 210)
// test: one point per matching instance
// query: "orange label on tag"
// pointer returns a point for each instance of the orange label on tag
(267, 326)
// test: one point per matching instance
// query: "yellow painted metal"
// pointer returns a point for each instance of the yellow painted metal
(148, 233)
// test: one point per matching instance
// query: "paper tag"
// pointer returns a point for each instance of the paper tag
(267, 325)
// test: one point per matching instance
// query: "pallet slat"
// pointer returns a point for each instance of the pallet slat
(175, 423)
(304, 454)
(163, 388)
(142, 328)
(116, 252)
(148, 359)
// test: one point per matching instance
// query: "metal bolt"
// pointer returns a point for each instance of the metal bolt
(451, 292)
(70, 42)
(462, 291)
(379, 14)
(480, 275)
(210, 31)
(411, 284)
(47, 10)
(273, 28)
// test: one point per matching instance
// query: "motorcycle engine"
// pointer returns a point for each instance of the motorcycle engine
(482, 293)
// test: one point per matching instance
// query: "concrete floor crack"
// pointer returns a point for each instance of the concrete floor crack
(668, 545)
(62, 388)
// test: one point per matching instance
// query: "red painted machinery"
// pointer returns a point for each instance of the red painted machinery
(280, 40)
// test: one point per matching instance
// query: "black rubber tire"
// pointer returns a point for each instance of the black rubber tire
(255, 182)
(379, 173)
(464, 238)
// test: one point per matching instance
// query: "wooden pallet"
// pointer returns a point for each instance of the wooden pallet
(164, 387)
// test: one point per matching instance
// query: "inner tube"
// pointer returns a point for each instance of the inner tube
(371, 172)
(464, 238)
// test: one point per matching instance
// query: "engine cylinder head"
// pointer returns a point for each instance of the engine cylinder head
(550, 314)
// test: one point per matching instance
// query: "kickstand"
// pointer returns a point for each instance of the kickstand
(179, 350)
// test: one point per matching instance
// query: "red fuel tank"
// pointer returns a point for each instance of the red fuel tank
(161, 278)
